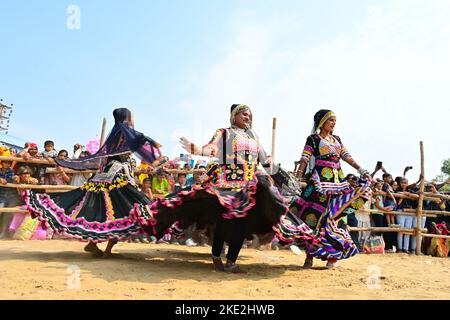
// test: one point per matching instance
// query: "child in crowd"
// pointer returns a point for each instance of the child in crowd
(49, 151)
(24, 176)
(379, 219)
(389, 199)
(182, 182)
(160, 185)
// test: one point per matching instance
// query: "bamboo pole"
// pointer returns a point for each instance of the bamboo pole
(430, 235)
(103, 135)
(376, 211)
(384, 229)
(428, 195)
(183, 171)
(420, 203)
(38, 187)
(274, 139)
(12, 210)
(430, 212)
(32, 161)
(69, 171)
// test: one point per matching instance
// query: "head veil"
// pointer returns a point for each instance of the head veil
(235, 110)
(122, 139)
(319, 120)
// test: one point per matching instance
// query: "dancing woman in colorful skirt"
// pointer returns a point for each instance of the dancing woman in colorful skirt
(316, 221)
(235, 195)
(103, 208)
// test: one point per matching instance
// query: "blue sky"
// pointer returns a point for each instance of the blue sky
(179, 65)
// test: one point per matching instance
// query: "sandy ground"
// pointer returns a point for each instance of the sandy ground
(48, 270)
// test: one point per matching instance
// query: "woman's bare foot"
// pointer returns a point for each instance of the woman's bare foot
(91, 247)
(218, 264)
(308, 263)
(108, 251)
(232, 267)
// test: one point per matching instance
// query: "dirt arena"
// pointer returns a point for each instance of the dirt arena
(49, 270)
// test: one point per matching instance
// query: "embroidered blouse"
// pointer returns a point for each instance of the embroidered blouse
(319, 148)
(238, 154)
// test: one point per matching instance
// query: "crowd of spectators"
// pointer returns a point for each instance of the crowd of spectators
(385, 204)
(156, 182)
(182, 173)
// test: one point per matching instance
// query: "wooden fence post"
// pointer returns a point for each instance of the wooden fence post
(420, 202)
(274, 137)
(103, 136)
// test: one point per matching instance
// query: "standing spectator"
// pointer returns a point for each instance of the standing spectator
(352, 221)
(390, 187)
(78, 179)
(31, 152)
(379, 218)
(49, 150)
(6, 195)
(403, 220)
(389, 199)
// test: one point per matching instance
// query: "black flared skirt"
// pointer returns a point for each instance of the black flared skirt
(259, 202)
(95, 212)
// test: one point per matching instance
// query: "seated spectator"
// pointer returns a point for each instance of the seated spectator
(160, 185)
(146, 188)
(23, 226)
(24, 176)
(182, 183)
(196, 177)
(143, 171)
(439, 247)
(172, 178)
(49, 151)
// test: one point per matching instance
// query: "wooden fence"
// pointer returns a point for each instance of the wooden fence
(421, 196)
